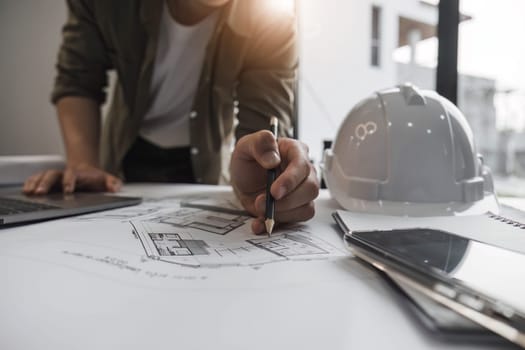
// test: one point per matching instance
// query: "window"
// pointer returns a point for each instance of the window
(376, 36)
(491, 55)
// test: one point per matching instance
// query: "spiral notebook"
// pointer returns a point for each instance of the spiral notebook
(505, 231)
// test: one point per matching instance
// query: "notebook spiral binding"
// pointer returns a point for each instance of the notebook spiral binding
(506, 220)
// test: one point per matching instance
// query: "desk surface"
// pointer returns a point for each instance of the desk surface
(103, 303)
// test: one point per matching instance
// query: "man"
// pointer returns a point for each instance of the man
(192, 75)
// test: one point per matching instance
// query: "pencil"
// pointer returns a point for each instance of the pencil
(269, 222)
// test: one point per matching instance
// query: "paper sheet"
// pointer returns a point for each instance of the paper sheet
(219, 236)
(172, 242)
(88, 284)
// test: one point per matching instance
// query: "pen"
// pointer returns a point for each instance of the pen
(269, 222)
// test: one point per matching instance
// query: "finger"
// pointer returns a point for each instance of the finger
(252, 155)
(69, 180)
(113, 183)
(32, 182)
(258, 226)
(297, 168)
(47, 181)
(248, 203)
(306, 192)
(302, 213)
(261, 147)
(259, 205)
(94, 179)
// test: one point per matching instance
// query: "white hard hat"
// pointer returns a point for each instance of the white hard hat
(405, 151)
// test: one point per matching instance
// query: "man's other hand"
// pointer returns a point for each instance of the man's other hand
(71, 179)
(295, 187)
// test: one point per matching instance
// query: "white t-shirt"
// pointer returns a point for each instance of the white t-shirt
(178, 64)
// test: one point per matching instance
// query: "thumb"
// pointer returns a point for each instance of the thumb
(260, 146)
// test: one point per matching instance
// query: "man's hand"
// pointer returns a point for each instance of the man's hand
(80, 123)
(82, 177)
(295, 187)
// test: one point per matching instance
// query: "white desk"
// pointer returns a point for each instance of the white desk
(45, 304)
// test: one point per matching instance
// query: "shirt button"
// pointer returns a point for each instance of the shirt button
(193, 115)
(194, 151)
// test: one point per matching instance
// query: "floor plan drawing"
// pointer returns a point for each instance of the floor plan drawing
(171, 244)
(202, 231)
(289, 245)
(223, 207)
(219, 223)
(191, 246)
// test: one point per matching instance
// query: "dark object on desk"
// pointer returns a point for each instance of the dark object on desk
(474, 279)
(440, 321)
(18, 209)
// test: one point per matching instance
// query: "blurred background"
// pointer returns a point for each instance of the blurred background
(348, 50)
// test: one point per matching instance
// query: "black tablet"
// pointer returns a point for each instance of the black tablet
(479, 281)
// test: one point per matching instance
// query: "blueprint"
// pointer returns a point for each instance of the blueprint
(207, 238)
(217, 222)
(195, 239)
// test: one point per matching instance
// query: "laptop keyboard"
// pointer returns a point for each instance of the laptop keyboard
(9, 206)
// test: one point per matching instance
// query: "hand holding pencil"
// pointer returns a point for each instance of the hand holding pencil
(295, 185)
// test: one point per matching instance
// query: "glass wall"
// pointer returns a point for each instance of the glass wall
(492, 49)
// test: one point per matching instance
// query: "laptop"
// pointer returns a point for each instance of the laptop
(17, 209)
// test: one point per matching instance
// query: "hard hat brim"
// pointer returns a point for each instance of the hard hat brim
(382, 207)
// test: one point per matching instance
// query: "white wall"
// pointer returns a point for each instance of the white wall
(335, 70)
(29, 39)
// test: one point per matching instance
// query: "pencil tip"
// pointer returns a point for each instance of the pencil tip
(269, 223)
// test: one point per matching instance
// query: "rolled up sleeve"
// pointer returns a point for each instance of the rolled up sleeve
(83, 60)
(267, 81)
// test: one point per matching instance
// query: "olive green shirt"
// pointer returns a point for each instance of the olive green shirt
(248, 75)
